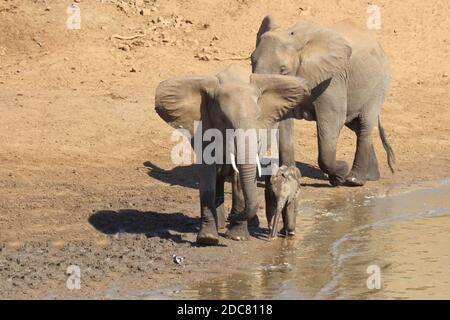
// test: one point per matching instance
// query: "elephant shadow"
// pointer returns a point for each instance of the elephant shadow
(168, 226)
(186, 176)
(310, 171)
(313, 172)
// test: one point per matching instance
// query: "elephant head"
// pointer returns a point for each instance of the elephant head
(285, 185)
(307, 50)
(233, 99)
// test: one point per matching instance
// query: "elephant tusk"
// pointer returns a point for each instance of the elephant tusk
(233, 162)
(258, 164)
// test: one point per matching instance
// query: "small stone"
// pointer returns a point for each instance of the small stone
(305, 10)
(124, 7)
(203, 57)
(203, 26)
(145, 12)
(124, 47)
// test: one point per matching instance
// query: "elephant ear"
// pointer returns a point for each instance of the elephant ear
(295, 173)
(279, 95)
(324, 55)
(181, 101)
(268, 24)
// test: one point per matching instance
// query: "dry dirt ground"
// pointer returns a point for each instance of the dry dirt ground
(77, 127)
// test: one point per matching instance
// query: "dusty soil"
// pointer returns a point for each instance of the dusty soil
(77, 129)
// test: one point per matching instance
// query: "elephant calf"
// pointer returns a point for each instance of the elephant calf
(283, 192)
(348, 74)
(233, 99)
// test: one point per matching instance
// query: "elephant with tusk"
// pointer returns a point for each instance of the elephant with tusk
(284, 190)
(234, 99)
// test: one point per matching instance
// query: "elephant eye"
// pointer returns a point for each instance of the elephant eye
(283, 70)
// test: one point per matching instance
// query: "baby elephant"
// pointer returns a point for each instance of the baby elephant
(284, 191)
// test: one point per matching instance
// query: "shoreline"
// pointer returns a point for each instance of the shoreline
(168, 279)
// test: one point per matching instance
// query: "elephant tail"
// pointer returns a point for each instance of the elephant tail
(387, 147)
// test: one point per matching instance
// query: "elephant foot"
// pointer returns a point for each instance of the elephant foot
(221, 220)
(340, 171)
(335, 181)
(238, 231)
(373, 175)
(208, 234)
(354, 180)
(286, 233)
(254, 222)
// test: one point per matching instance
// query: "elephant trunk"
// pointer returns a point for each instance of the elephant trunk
(247, 176)
(246, 163)
(276, 217)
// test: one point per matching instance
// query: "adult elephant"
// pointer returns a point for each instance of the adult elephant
(348, 74)
(233, 99)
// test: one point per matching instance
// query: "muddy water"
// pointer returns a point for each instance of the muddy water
(404, 233)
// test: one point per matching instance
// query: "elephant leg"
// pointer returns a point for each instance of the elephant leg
(237, 196)
(254, 222)
(208, 234)
(270, 199)
(373, 174)
(220, 207)
(365, 165)
(289, 221)
(286, 142)
(327, 140)
(330, 110)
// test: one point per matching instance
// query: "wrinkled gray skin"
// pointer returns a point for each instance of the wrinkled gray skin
(348, 75)
(232, 99)
(285, 190)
